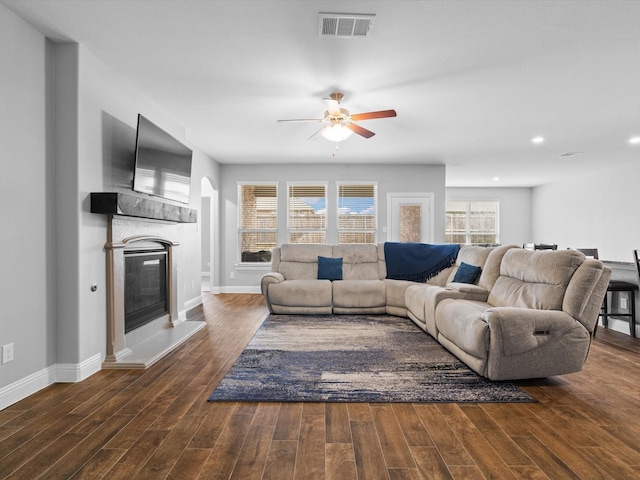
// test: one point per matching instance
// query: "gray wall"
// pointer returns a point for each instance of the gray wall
(591, 210)
(390, 178)
(67, 129)
(27, 286)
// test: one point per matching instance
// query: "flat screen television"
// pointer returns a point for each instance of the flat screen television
(162, 163)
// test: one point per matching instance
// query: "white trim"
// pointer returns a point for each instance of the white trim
(239, 289)
(254, 267)
(57, 373)
(431, 196)
(26, 386)
(71, 373)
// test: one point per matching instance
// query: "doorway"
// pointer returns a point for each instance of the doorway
(410, 217)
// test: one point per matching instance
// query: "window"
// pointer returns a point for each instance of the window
(307, 221)
(473, 222)
(257, 221)
(357, 213)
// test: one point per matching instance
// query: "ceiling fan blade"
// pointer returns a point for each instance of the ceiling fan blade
(303, 120)
(372, 115)
(315, 134)
(359, 130)
(333, 107)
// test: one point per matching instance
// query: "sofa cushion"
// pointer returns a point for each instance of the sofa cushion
(461, 322)
(359, 293)
(359, 262)
(467, 273)
(300, 261)
(329, 268)
(534, 278)
(301, 293)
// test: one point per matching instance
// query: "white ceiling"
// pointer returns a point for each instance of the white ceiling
(472, 81)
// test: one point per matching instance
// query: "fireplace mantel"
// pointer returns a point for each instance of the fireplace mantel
(119, 203)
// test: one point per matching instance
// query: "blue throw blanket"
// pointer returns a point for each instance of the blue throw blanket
(418, 261)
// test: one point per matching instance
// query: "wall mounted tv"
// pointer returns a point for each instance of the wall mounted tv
(162, 164)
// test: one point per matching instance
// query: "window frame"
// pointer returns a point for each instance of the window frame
(374, 230)
(240, 220)
(468, 232)
(324, 229)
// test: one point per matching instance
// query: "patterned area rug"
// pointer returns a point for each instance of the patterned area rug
(353, 358)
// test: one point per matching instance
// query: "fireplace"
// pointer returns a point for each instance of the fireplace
(145, 287)
(143, 322)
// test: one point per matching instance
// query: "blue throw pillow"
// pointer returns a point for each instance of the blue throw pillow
(467, 273)
(329, 268)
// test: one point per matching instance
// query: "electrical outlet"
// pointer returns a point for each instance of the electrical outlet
(232, 275)
(7, 353)
(193, 284)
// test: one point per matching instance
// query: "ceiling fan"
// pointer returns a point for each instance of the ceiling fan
(339, 122)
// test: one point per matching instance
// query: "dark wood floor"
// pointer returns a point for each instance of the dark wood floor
(156, 423)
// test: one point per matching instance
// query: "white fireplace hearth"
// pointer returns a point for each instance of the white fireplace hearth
(143, 346)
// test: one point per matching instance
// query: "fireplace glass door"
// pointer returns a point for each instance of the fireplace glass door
(145, 287)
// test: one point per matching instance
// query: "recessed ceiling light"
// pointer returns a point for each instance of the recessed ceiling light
(635, 140)
(495, 179)
(538, 140)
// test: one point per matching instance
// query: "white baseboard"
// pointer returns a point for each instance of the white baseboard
(188, 305)
(239, 289)
(71, 373)
(57, 373)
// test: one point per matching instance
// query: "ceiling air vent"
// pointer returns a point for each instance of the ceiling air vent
(345, 25)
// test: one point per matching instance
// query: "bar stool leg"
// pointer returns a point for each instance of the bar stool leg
(632, 320)
(605, 311)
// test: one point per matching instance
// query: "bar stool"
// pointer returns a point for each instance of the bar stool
(630, 289)
(617, 286)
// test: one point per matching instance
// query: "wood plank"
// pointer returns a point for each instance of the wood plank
(444, 438)
(430, 463)
(504, 446)
(412, 427)
(394, 446)
(253, 454)
(190, 464)
(544, 458)
(281, 461)
(222, 460)
(137, 455)
(340, 462)
(369, 457)
(288, 424)
(165, 457)
(337, 423)
(310, 458)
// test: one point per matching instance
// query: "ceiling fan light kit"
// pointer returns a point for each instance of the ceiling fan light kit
(340, 123)
(336, 133)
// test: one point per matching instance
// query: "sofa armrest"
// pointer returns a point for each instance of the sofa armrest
(269, 278)
(519, 330)
(470, 291)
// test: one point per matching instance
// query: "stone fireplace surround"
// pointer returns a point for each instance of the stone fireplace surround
(145, 345)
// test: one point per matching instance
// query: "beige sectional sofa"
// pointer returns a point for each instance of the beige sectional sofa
(530, 314)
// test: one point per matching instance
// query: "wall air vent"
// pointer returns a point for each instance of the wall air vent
(345, 25)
